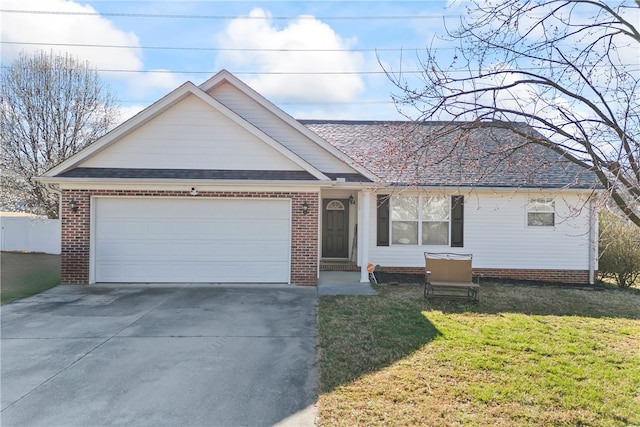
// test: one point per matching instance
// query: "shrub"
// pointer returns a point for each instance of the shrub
(619, 250)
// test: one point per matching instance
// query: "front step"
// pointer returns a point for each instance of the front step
(338, 265)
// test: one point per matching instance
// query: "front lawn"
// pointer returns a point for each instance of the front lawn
(524, 355)
(25, 274)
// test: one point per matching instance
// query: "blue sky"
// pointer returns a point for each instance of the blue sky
(336, 39)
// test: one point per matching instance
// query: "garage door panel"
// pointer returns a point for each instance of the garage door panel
(210, 249)
(223, 228)
(203, 240)
(208, 272)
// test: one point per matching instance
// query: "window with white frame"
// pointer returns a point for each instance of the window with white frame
(404, 220)
(435, 220)
(420, 220)
(541, 212)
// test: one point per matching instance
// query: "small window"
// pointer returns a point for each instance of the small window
(335, 205)
(541, 212)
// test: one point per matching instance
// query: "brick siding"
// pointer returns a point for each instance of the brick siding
(554, 276)
(76, 228)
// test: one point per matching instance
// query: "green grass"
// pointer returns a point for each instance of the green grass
(26, 274)
(522, 356)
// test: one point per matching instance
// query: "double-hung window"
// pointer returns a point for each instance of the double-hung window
(420, 220)
(435, 220)
(404, 220)
(541, 212)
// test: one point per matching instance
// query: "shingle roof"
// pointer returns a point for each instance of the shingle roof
(441, 154)
(348, 177)
(188, 174)
(256, 175)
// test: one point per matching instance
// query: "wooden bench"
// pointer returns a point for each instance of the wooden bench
(450, 275)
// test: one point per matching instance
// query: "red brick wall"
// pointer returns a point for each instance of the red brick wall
(554, 276)
(76, 230)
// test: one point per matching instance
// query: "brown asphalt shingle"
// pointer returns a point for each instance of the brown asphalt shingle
(439, 154)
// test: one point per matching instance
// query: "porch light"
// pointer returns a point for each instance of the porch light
(352, 200)
(73, 205)
(305, 208)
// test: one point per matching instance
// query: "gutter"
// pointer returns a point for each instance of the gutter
(164, 181)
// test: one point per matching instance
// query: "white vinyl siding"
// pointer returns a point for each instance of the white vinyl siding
(191, 135)
(273, 126)
(496, 233)
(191, 240)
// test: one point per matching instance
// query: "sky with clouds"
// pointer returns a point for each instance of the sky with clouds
(314, 59)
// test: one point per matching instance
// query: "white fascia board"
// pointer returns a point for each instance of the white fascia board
(126, 127)
(186, 186)
(69, 182)
(232, 115)
(225, 75)
(471, 189)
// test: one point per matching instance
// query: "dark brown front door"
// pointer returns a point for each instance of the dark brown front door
(335, 228)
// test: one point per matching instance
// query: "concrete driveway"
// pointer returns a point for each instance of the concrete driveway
(136, 355)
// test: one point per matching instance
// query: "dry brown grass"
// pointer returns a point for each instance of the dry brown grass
(523, 356)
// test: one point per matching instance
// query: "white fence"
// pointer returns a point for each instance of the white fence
(30, 233)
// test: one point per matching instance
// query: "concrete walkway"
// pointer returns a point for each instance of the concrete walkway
(160, 356)
(343, 283)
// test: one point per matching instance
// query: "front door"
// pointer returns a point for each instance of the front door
(335, 228)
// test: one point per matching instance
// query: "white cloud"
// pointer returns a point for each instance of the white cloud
(141, 84)
(67, 29)
(303, 33)
(127, 112)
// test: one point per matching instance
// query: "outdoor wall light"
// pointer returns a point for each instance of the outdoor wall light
(73, 205)
(352, 200)
(305, 208)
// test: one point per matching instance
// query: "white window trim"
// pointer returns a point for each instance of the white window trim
(527, 212)
(420, 221)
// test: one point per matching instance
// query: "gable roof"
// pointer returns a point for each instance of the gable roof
(441, 154)
(73, 167)
(437, 154)
(225, 76)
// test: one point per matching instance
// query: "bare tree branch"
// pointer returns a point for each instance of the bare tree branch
(51, 107)
(566, 68)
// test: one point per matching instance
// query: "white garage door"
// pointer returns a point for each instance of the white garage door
(191, 240)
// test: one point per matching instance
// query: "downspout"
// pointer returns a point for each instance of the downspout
(593, 239)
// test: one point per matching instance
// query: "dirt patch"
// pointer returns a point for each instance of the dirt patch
(398, 278)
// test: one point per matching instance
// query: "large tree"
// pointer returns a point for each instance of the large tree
(51, 107)
(568, 68)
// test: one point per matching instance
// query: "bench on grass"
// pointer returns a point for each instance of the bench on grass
(450, 275)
